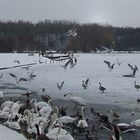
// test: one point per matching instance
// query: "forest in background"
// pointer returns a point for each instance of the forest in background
(21, 36)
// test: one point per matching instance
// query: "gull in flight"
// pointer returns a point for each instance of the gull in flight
(110, 66)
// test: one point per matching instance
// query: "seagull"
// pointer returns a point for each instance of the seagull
(85, 83)
(138, 100)
(136, 86)
(22, 79)
(69, 62)
(129, 75)
(71, 32)
(66, 64)
(110, 66)
(134, 71)
(32, 76)
(13, 75)
(60, 86)
(133, 68)
(73, 65)
(118, 62)
(102, 88)
(97, 50)
(74, 33)
(17, 61)
(43, 90)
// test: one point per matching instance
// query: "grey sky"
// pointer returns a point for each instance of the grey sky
(114, 12)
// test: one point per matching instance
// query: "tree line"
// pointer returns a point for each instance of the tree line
(21, 36)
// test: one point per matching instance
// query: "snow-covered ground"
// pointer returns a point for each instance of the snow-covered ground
(8, 134)
(120, 90)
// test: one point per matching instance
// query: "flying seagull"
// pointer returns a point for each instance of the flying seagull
(66, 64)
(118, 62)
(13, 75)
(31, 76)
(133, 67)
(85, 83)
(110, 66)
(17, 61)
(134, 70)
(61, 85)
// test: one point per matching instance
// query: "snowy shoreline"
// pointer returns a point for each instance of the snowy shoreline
(120, 90)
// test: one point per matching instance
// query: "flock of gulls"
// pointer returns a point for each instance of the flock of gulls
(39, 118)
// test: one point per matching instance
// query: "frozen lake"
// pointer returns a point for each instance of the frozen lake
(120, 90)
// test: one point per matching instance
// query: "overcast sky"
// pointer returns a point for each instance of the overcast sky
(114, 12)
